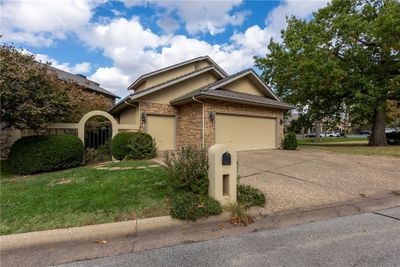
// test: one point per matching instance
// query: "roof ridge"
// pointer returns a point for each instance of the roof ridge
(149, 74)
(88, 84)
(176, 78)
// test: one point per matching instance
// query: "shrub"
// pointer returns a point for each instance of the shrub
(188, 170)
(119, 145)
(141, 146)
(189, 206)
(102, 153)
(290, 141)
(248, 196)
(41, 153)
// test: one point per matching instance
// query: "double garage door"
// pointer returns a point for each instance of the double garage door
(239, 132)
(245, 132)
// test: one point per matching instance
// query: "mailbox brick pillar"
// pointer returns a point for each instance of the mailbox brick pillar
(222, 174)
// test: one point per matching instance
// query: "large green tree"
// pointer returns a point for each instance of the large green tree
(345, 58)
(29, 95)
(32, 96)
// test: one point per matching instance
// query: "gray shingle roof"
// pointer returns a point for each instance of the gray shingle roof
(80, 80)
(164, 84)
(213, 91)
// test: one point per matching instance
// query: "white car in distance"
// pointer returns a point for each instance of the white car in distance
(330, 134)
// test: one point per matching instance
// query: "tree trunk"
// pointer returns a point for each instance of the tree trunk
(378, 136)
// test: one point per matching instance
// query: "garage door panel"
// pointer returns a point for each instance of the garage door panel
(245, 132)
(162, 129)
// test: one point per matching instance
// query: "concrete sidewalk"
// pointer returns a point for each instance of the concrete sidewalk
(371, 239)
(75, 250)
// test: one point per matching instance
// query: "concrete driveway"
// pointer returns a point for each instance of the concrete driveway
(308, 179)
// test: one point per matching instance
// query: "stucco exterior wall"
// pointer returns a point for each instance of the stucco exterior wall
(171, 74)
(128, 116)
(167, 94)
(244, 85)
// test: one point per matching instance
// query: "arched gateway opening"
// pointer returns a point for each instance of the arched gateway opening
(93, 136)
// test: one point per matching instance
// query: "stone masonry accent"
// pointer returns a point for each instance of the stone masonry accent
(5, 143)
(189, 126)
(189, 120)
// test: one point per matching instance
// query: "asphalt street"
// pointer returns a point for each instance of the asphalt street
(370, 239)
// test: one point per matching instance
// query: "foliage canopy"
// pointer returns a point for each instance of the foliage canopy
(346, 58)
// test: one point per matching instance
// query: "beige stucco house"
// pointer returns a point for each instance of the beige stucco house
(196, 102)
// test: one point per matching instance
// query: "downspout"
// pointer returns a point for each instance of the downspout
(202, 117)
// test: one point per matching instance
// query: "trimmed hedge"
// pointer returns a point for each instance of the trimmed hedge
(141, 146)
(189, 206)
(40, 153)
(119, 145)
(290, 141)
(133, 145)
(248, 196)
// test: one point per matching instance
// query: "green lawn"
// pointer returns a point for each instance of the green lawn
(308, 141)
(359, 149)
(81, 196)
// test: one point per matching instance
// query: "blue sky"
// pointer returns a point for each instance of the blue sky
(114, 42)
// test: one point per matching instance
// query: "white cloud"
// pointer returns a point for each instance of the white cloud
(205, 16)
(167, 24)
(79, 68)
(134, 49)
(276, 19)
(39, 22)
(255, 39)
(110, 79)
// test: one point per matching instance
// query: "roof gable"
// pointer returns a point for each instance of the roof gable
(252, 77)
(175, 71)
(244, 85)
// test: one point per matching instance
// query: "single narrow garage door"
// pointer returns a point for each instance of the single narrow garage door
(245, 132)
(162, 129)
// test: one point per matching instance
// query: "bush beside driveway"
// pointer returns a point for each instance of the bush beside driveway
(306, 179)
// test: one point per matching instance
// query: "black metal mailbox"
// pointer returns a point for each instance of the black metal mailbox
(226, 159)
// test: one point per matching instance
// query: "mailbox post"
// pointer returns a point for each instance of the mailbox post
(222, 174)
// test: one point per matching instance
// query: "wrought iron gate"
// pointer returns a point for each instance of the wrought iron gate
(95, 137)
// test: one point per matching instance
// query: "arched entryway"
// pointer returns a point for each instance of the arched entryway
(92, 114)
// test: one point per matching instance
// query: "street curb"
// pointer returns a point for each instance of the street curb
(104, 231)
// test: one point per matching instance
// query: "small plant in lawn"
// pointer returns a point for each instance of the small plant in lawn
(290, 142)
(248, 196)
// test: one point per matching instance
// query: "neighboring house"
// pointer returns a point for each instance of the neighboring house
(9, 136)
(88, 86)
(196, 102)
